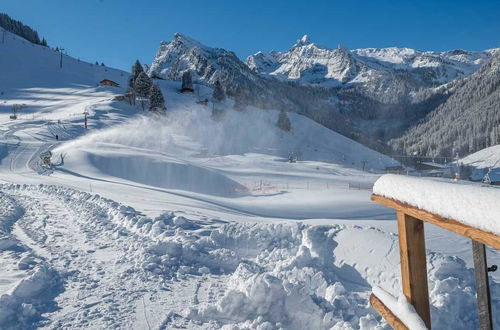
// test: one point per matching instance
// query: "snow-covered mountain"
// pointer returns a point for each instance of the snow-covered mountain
(371, 95)
(468, 121)
(307, 62)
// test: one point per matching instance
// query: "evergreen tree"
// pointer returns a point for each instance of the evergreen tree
(21, 30)
(156, 100)
(187, 82)
(218, 95)
(284, 122)
(142, 84)
(134, 73)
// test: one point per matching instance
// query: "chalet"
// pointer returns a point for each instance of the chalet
(202, 102)
(107, 82)
(426, 166)
(187, 90)
(492, 177)
(477, 174)
(155, 76)
(433, 169)
(396, 169)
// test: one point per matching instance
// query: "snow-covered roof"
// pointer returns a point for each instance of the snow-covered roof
(433, 164)
(470, 204)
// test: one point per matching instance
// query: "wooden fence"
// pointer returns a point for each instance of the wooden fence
(413, 261)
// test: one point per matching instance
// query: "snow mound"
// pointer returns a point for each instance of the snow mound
(9, 213)
(24, 303)
(473, 205)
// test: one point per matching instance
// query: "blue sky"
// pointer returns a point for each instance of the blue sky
(117, 32)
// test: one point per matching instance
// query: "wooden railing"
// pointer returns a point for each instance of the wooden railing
(413, 261)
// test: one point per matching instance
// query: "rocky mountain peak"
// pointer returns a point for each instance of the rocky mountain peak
(305, 40)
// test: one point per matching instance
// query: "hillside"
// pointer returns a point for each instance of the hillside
(18, 28)
(370, 95)
(467, 122)
(484, 158)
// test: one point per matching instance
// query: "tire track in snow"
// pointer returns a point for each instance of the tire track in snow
(100, 286)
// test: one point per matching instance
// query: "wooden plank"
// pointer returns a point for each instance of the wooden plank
(387, 314)
(414, 265)
(475, 234)
(482, 285)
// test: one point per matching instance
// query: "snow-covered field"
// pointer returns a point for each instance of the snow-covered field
(188, 222)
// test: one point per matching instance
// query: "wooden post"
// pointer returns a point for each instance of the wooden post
(413, 264)
(482, 286)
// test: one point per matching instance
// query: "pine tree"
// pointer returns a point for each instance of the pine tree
(284, 122)
(156, 100)
(187, 82)
(17, 27)
(134, 73)
(218, 95)
(143, 84)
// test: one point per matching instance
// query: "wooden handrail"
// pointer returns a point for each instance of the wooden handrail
(387, 314)
(475, 234)
(413, 259)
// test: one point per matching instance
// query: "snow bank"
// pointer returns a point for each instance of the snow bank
(401, 309)
(472, 205)
(25, 302)
(9, 213)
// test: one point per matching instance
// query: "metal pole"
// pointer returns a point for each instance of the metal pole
(482, 286)
(60, 61)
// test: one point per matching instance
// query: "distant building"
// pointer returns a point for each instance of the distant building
(155, 76)
(202, 102)
(395, 169)
(478, 174)
(425, 166)
(107, 82)
(492, 177)
(433, 169)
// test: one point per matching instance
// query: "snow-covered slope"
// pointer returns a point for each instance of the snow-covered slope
(484, 158)
(468, 121)
(26, 65)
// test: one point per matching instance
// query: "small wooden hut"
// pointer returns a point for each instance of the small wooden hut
(107, 82)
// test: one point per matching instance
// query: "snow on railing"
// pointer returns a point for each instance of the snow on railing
(470, 204)
(401, 310)
(465, 209)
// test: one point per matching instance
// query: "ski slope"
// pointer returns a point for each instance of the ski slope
(190, 222)
(485, 158)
